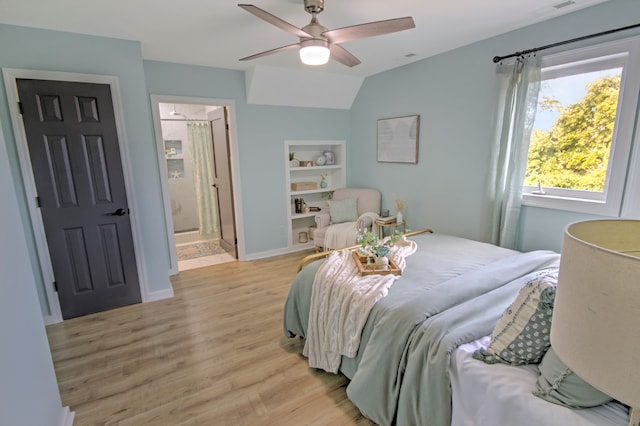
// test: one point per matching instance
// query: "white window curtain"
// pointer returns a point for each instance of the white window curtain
(519, 87)
(199, 135)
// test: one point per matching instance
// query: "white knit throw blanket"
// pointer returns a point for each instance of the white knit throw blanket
(341, 300)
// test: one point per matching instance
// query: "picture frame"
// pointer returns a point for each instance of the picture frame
(397, 139)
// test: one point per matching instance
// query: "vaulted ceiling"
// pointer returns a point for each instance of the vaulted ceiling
(218, 33)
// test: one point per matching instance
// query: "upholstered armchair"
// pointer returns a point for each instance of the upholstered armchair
(350, 209)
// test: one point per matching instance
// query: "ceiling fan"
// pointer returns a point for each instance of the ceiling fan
(318, 43)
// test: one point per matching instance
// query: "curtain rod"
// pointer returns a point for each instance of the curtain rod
(497, 59)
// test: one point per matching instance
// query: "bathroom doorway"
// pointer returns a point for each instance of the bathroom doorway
(187, 145)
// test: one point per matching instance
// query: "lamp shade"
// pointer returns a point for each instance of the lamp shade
(314, 52)
(596, 317)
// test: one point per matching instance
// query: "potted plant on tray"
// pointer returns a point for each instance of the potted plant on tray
(376, 249)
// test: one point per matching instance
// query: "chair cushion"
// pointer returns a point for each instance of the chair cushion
(368, 199)
(343, 210)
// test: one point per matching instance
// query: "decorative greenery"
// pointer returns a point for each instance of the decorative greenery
(399, 203)
(323, 175)
(372, 246)
(292, 156)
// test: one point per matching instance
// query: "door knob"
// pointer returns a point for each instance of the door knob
(119, 212)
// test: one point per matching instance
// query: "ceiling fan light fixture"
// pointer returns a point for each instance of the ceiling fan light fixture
(314, 52)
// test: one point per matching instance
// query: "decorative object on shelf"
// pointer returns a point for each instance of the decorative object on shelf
(399, 204)
(175, 168)
(384, 212)
(300, 205)
(386, 220)
(323, 182)
(320, 161)
(304, 181)
(303, 237)
(292, 160)
(398, 139)
(330, 158)
(172, 147)
(303, 186)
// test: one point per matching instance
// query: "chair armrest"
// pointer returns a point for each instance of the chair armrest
(366, 220)
(322, 220)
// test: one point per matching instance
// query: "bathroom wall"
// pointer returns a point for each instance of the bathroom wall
(180, 173)
(180, 176)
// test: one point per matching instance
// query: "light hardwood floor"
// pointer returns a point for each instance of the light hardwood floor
(214, 354)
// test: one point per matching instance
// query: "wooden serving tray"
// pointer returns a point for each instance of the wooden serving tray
(364, 269)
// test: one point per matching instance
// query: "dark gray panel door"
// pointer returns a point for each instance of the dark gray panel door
(223, 182)
(75, 156)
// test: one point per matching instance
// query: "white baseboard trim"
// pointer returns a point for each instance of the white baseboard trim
(50, 319)
(158, 295)
(270, 253)
(67, 417)
(152, 297)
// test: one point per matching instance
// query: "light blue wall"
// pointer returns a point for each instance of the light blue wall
(455, 95)
(261, 132)
(28, 392)
(34, 49)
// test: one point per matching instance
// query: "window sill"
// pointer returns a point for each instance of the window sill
(577, 205)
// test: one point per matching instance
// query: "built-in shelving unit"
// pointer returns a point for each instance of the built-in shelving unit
(311, 151)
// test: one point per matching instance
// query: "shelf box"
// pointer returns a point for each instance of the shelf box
(303, 186)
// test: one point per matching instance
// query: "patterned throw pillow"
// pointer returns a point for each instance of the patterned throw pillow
(558, 384)
(522, 334)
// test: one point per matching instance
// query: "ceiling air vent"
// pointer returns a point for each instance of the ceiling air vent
(564, 4)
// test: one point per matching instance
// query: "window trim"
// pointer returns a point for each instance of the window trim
(608, 203)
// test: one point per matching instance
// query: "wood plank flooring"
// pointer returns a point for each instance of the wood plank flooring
(214, 354)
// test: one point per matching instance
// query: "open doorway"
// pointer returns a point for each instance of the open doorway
(190, 176)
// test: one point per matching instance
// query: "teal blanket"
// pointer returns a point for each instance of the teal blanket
(453, 291)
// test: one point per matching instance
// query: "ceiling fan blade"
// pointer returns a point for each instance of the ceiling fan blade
(343, 56)
(272, 51)
(370, 29)
(274, 20)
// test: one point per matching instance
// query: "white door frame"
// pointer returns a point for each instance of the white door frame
(37, 225)
(156, 100)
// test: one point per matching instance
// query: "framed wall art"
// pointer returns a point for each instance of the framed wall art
(398, 139)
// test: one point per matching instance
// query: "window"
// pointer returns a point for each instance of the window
(582, 135)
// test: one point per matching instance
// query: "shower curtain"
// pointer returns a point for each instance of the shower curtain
(199, 136)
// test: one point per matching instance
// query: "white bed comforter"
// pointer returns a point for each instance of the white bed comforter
(500, 394)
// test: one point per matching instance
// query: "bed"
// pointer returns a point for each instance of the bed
(415, 339)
